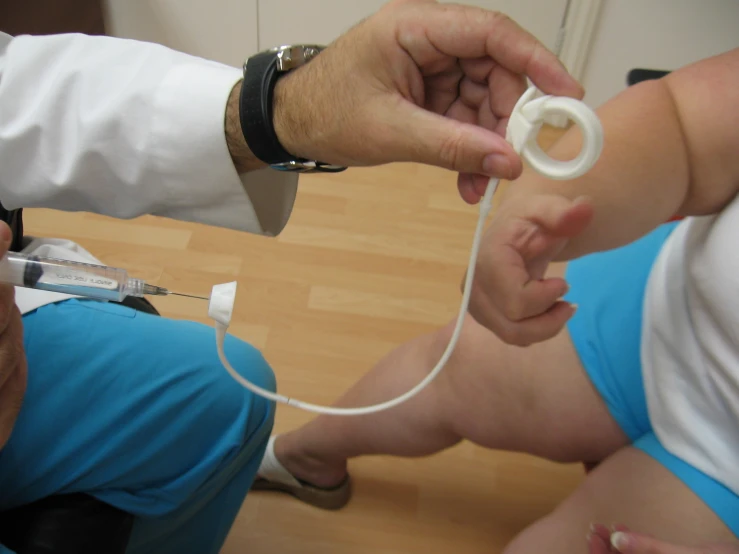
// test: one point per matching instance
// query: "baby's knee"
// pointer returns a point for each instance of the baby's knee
(440, 339)
(473, 338)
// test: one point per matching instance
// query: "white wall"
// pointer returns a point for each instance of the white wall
(655, 34)
(220, 30)
(321, 21)
(230, 30)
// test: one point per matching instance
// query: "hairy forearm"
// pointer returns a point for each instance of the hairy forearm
(289, 119)
(666, 150)
(243, 158)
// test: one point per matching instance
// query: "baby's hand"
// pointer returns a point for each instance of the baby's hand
(510, 294)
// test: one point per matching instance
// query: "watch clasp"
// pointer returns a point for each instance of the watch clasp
(292, 57)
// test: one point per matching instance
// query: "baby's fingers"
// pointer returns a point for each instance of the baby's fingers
(536, 329)
(533, 298)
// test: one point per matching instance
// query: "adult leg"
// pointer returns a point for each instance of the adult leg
(137, 411)
(633, 489)
(536, 399)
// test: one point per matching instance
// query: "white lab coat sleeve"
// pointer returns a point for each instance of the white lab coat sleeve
(125, 128)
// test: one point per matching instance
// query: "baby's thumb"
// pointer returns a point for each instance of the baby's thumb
(432, 139)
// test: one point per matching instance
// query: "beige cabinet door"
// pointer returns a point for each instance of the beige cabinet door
(321, 21)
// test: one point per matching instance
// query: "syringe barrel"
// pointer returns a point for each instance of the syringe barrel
(76, 278)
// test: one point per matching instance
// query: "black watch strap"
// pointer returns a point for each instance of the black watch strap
(256, 109)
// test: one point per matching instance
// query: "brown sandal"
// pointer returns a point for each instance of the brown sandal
(272, 476)
(334, 498)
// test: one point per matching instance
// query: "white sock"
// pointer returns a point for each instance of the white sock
(272, 470)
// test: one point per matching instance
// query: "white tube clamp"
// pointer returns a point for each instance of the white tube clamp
(221, 305)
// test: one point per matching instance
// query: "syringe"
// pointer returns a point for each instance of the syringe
(80, 279)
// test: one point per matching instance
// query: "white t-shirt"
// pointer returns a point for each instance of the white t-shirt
(690, 344)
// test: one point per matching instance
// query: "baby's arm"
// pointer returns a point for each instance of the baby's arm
(671, 148)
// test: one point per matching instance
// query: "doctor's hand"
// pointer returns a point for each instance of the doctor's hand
(422, 82)
(12, 356)
(602, 541)
(510, 294)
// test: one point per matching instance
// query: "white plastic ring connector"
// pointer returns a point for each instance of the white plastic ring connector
(530, 114)
(525, 122)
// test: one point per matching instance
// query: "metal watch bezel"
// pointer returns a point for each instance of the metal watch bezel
(291, 57)
(307, 166)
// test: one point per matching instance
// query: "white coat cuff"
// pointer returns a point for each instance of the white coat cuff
(197, 171)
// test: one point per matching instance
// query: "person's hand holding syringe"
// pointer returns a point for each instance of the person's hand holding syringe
(75, 278)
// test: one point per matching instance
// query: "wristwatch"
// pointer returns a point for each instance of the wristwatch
(261, 73)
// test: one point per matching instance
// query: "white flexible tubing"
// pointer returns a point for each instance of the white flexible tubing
(485, 206)
(523, 126)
